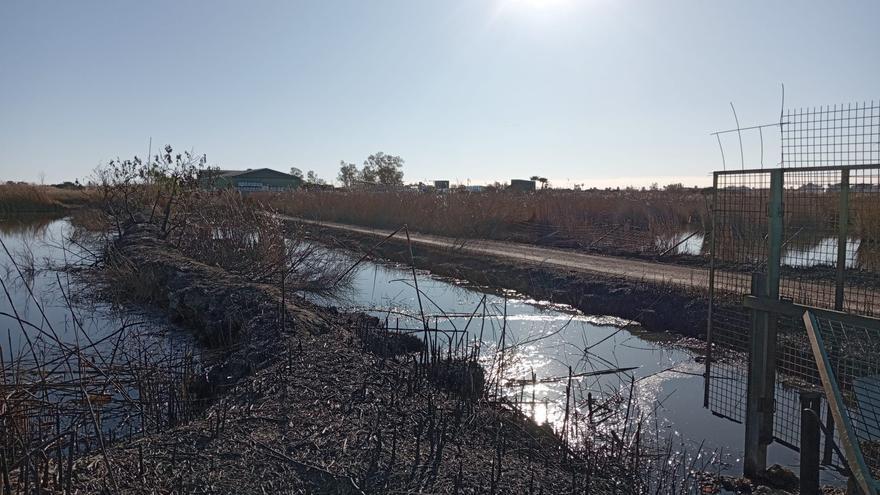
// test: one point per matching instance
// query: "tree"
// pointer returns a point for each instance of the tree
(348, 173)
(312, 178)
(296, 172)
(368, 174)
(543, 180)
(387, 169)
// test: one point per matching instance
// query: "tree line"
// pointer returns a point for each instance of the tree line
(378, 169)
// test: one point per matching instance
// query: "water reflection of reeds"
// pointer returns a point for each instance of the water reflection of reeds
(26, 225)
(811, 229)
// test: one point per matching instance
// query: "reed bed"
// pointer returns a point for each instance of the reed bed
(651, 223)
(27, 198)
(630, 220)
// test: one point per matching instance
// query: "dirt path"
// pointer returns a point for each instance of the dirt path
(637, 270)
(860, 299)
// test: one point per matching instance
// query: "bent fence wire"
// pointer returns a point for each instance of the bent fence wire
(830, 252)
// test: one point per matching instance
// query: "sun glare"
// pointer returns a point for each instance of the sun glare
(539, 4)
(541, 9)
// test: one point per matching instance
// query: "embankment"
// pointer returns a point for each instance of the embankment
(222, 310)
(300, 405)
(656, 304)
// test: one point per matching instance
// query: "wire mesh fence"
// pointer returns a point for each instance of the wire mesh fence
(838, 135)
(829, 256)
(827, 251)
(738, 249)
(851, 348)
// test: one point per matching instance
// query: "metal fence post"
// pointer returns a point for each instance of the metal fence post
(761, 386)
(839, 285)
(809, 445)
(842, 239)
(759, 397)
(775, 232)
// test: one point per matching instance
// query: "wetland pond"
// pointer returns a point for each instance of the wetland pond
(658, 376)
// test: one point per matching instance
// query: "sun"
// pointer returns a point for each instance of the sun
(538, 13)
(538, 4)
(535, 7)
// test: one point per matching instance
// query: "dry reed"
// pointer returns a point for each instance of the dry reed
(26, 198)
(582, 218)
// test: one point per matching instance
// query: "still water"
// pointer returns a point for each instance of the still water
(55, 304)
(61, 334)
(796, 253)
(41, 293)
(546, 339)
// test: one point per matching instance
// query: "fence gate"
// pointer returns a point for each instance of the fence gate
(805, 236)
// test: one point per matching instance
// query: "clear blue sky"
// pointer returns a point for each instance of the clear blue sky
(594, 91)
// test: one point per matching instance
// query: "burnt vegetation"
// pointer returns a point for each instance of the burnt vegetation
(276, 394)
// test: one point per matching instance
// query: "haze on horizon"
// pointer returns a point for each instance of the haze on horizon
(598, 92)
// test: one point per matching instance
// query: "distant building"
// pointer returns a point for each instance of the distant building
(251, 180)
(312, 186)
(441, 184)
(474, 189)
(864, 187)
(522, 185)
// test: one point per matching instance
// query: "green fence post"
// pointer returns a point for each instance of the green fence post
(775, 232)
(839, 284)
(842, 239)
(762, 342)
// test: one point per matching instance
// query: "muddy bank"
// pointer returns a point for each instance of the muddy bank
(656, 306)
(309, 405)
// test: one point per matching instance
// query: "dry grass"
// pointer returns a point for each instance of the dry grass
(26, 198)
(501, 215)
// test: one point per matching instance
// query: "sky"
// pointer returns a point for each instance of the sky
(599, 92)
